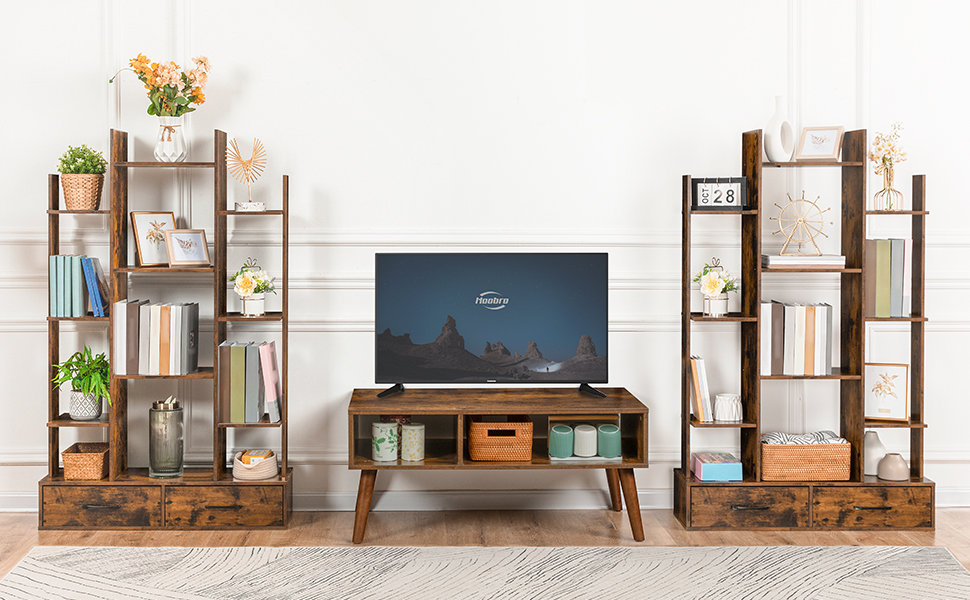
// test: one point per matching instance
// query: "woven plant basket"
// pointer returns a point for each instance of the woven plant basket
(805, 462)
(86, 461)
(82, 191)
(501, 442)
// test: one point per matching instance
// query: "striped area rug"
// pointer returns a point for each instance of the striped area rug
(374, 573)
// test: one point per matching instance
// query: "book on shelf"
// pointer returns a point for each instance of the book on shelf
(224, 359)
(889, 278)
(189, 339)
(802, 260)
(237, 383)
(799, 338)
(99, 302)
(715, 466)
(271, 380)
(144, 322)
(255, 395)
(164, 339)
(164, 333)
(700, 394)
(78, 290)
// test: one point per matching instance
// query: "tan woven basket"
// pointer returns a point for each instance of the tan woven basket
(82, 191)
(501, 442)
(805, 462)
(86, 461)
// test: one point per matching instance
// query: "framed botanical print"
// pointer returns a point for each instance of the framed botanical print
(887, 391)
(149, 229)
(187, 248)
(820, 143)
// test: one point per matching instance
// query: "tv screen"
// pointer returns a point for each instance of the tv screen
(484, 318)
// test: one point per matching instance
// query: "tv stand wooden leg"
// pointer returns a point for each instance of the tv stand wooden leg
(365, 492)
(613, 480)
(629, 484)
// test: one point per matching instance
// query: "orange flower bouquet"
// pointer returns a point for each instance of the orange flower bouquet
(171, 91)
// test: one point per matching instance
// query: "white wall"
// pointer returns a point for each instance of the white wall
(481, 126)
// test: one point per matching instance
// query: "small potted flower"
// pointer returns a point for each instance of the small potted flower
(251, 284)
(715, 284)
(82, 177)
(89, 376)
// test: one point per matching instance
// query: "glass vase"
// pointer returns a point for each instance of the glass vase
(887, 198)
(165, 440)
(170, 144)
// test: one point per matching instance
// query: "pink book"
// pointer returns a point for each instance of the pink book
(271, 380)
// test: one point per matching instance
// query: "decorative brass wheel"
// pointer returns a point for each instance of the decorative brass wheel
(800, 221)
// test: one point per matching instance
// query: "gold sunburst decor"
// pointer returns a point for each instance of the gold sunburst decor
(800, 221)
(246, 171)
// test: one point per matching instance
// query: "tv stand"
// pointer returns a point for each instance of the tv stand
(397, 387)
(588, 389)
(450, 411)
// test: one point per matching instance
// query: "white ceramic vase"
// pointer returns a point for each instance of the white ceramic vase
(84, 407)
(716, 306)
(254, 305)
(779, 137)
(170, 144)
(893, 468)
(727, 407)
(874, 451)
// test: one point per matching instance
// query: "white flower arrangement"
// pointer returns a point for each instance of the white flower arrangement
(715, 280)
(251, 279)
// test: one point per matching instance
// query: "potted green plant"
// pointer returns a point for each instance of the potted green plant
(82, 177)
(89, 376)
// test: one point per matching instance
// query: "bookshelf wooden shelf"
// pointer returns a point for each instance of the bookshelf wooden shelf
(203, 498)
(808, 504)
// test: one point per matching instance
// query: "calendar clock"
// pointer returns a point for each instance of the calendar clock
(719, 194)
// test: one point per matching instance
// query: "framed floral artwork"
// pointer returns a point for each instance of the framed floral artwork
(820, 143)
(187, 248)
(149, 229)
(887, 391)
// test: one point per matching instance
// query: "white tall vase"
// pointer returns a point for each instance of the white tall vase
(874, 451)
(779, 137)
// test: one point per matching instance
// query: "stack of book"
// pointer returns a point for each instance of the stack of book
(889, 278)
(249, 382)
(796, 338)
(155, 339)
(835, 261)
(700, 396)
(77, 282)
(715, 466)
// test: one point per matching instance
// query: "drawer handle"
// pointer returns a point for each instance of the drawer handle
(102, 506)
(739, 507)
(873, 507)
(227, 507)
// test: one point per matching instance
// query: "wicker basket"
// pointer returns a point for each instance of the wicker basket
(805, 462)
(501, 442)
(88, 461)
(82, 191)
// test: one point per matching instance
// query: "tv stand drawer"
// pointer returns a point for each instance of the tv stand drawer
(749, 507)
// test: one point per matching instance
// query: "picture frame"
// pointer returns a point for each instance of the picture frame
(149, 229)
(187, 248)
(820, 143)
(719, 194)
(886, 391)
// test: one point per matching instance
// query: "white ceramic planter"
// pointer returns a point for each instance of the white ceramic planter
(84, 407)
(255, 305)
(716, 306)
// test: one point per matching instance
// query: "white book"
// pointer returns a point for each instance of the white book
(829, 339)
(119, 353)
(144, 323)
(908, 277)
(175, 339)
(705, 390)
(789, 339)
(820, 339)
(799, 341)
(765, 338)
(154, 338)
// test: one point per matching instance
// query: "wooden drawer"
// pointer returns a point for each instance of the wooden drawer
(749, 507)
(872, 506)
(101, 507)
(224, 506)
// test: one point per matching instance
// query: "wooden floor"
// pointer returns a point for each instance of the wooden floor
(18, 532)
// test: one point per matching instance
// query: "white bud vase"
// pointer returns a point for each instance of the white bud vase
(875, 450)
(170, 145)
(779, 137)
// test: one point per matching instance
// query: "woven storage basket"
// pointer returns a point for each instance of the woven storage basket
(264, 469)
(805, 462)
(501, 442)
(86, 461)
(82, 191)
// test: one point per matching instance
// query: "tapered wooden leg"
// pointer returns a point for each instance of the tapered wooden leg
(365, 492)
(613, 480)
(629, 484)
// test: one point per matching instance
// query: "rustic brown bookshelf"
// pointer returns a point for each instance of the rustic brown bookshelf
(862, 502)
(204, 497)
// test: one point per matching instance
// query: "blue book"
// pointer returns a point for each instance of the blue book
(716, 466)
(94, 292)
(52, 284)
(62, 282)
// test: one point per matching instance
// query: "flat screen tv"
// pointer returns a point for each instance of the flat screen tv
(491, 318)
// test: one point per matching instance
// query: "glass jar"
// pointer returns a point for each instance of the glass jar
(165, 439)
